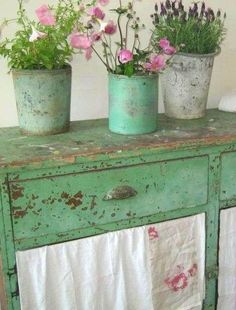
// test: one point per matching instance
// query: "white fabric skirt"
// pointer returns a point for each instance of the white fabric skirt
(152, 267)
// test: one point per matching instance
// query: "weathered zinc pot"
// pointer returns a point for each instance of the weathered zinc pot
(133, 104)
(186, 84)
(43, 100)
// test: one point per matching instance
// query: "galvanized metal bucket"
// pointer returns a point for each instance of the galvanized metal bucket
(133, 104)
(43, 100)
(185, 85)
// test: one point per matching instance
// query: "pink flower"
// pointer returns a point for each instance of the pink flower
(110, 28)
(164, 43)
(103, 2)
(125, 56)
(45, 16)
(97, 12)
(78, 40)
(96, 36)
(157, 63)
(167, 48)
(88, 53)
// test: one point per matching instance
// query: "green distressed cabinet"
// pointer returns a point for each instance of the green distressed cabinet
(90, 181)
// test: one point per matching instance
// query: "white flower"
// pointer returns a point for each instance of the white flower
(103, 26)
(35, 35)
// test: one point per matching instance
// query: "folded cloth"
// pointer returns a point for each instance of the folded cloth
(228, 102)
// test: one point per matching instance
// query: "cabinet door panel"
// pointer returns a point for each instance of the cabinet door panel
(63, 203)
(228, 176)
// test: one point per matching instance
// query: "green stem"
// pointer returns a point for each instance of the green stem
(120, 31)
(126, 32)
(106, 56)
(112, 58)
(100, 58)
(135, 40)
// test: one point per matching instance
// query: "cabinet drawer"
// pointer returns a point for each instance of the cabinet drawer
(63, 203)
(228, 176)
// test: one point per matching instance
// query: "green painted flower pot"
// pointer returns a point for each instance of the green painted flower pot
(133, 104)
(43, 100)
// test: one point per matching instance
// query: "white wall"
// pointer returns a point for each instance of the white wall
(89, 89)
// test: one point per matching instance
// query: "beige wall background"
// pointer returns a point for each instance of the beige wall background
(89, 87)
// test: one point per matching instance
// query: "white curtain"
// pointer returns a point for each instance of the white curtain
(155, 267)
(227, 261)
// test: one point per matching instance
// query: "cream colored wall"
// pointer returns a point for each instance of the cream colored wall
(89, 89)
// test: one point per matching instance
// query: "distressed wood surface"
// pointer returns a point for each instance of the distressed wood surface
(3, 304)
(93, 137)
(182, 169)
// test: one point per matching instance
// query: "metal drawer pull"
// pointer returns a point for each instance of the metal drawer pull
(120, 192)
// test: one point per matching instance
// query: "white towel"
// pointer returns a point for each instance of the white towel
(177, 255)
(132, 269)
(227, 261)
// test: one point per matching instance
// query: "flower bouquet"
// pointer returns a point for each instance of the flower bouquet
(198, 31)
(39, 55)
(132, 69)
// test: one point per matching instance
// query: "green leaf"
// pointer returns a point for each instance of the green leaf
(129, 69)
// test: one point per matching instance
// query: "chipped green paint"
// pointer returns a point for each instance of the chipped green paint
(228, 185)
(53, 188)
(43, 100)
(156, 185)
(133, 103)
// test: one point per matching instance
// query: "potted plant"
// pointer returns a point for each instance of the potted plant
(198, 33)
(132, 70)
(38, 56)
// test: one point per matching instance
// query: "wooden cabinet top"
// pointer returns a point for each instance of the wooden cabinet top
(93, 138)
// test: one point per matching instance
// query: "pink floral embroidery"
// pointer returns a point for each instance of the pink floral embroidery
(180, 280)
(193, 270)
(153, 233)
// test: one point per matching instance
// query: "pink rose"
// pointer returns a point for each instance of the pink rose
(110, 28)
(157, 63)
(78, 40)
(45, 16)
(125, 56)
(97, 12)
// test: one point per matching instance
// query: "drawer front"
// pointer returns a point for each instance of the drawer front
(63, 203)
(228, 176)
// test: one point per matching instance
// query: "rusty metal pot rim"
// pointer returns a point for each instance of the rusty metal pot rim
(199, 55)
